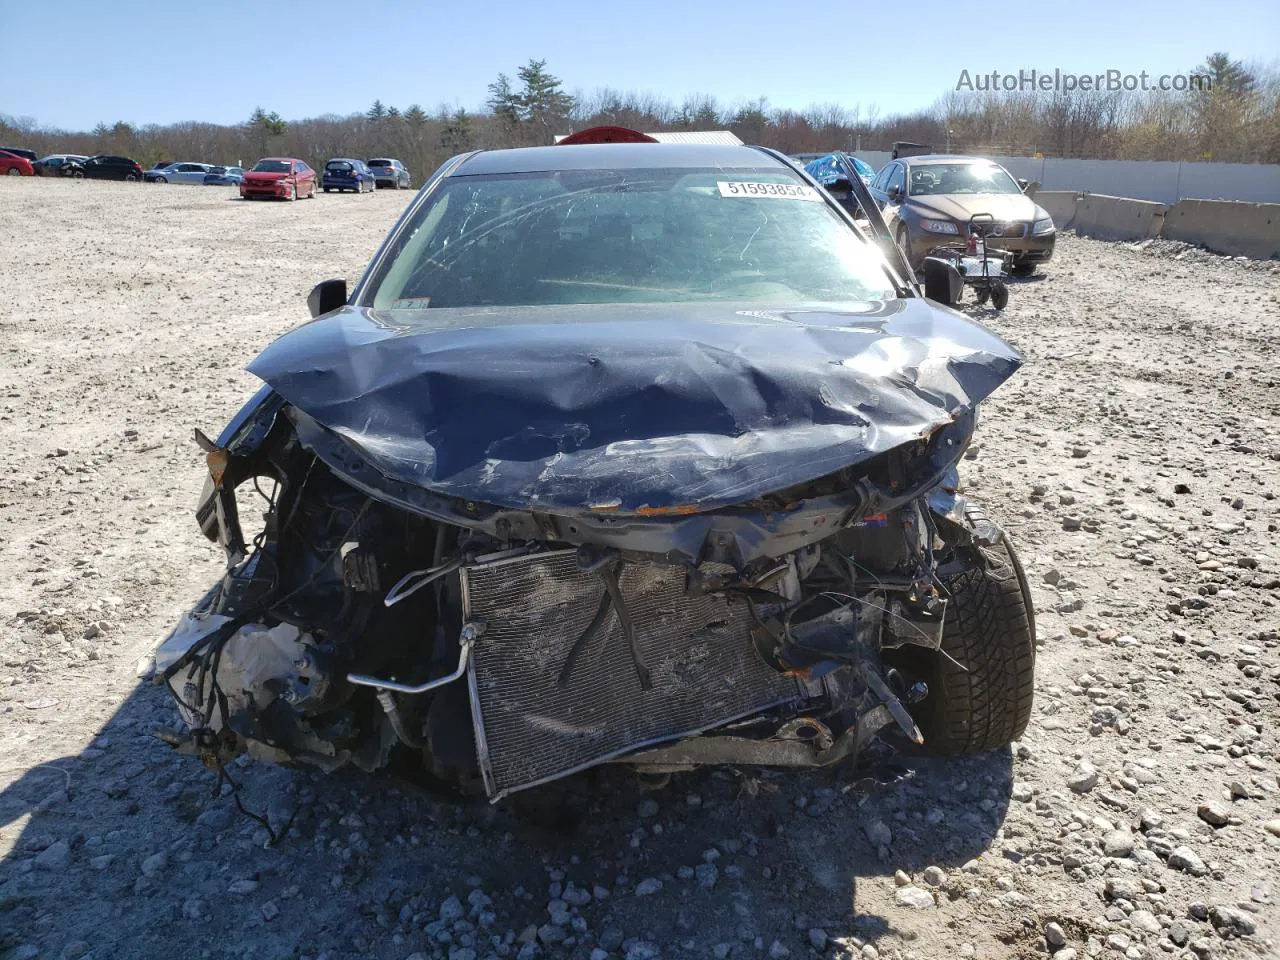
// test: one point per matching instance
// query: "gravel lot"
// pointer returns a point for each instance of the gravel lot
(1134, 460)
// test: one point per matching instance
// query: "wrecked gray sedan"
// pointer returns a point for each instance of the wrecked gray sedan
(618, 453)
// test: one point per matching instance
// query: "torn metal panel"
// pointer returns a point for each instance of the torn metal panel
(632, 410)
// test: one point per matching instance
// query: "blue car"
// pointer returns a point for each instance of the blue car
(827, 170)
(224, 177)
(342, 173)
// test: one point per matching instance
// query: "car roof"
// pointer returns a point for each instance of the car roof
(612, 156)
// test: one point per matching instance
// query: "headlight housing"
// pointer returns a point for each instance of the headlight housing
(1041, 227)
(939, 226)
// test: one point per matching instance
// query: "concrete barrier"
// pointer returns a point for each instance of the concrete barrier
(1118, 218)
(1227, 226)
(1060, 204)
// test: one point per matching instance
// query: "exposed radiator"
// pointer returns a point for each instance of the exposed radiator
(529, 729)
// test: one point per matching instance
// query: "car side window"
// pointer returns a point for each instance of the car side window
(898, 178)
(882, 178)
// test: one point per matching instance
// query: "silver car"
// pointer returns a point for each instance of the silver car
(52, 166)
(179, 172)
(390, 173)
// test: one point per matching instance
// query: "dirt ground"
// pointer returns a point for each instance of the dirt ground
(1134, 460)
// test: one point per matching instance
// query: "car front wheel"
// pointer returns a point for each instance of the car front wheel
(1022, 269)
(981, 683)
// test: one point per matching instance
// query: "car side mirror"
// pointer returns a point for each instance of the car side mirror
(895, 193)
(942, 281)
(1029, 187)
(327, 295)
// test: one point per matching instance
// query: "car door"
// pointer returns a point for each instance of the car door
(879, 183)
(300, 173)
(190, 173)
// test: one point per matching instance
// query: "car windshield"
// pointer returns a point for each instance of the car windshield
(379, 163)
(634, 236)
(935, 178)
(271, 166)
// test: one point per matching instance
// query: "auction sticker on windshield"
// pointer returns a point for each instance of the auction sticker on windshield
(768, 191)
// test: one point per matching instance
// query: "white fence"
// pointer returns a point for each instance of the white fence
(1163, 181)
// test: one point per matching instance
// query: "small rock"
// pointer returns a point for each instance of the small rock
(878, 833)
(1145, 921)
(647, 808)
(242, 888)
(1118, 843)
(935, 876)
(1231, 922)
(1118, 942)
(1188, 861)
(817, 938)
(1085, 777)
(901, 879)
(707, 874)
(1055, 935)
(452, 910)
(1214, 813)
(56, 856)
(1272, 827)
(913, 898)
(155, 863)
(270, 911)
(648, 887)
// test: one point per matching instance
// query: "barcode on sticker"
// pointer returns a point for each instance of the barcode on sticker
(774, 191)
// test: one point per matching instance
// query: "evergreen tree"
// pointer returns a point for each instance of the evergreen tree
(456, 136)
(377, 112)
(542, 102)
(504, 103)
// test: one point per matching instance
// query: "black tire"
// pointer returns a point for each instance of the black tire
(981, 295)
(1022, 269)
(328, 189)
(999, 295)
(990, 628)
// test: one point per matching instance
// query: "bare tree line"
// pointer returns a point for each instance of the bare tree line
(1236, 119)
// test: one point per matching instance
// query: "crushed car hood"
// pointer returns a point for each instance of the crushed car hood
(632, 408)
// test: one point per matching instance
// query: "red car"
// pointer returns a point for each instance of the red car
(284, 178)
(15, 166)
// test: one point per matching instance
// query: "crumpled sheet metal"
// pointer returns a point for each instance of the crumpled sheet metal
(632, 408)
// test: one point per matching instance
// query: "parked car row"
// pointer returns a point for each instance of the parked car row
(280, 177)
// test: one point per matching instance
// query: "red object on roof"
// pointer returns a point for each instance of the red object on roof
(607, 135)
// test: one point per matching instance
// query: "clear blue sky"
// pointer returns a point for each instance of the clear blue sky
(73, 63)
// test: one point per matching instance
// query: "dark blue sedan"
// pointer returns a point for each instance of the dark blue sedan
(224, 177)
(344, 174)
